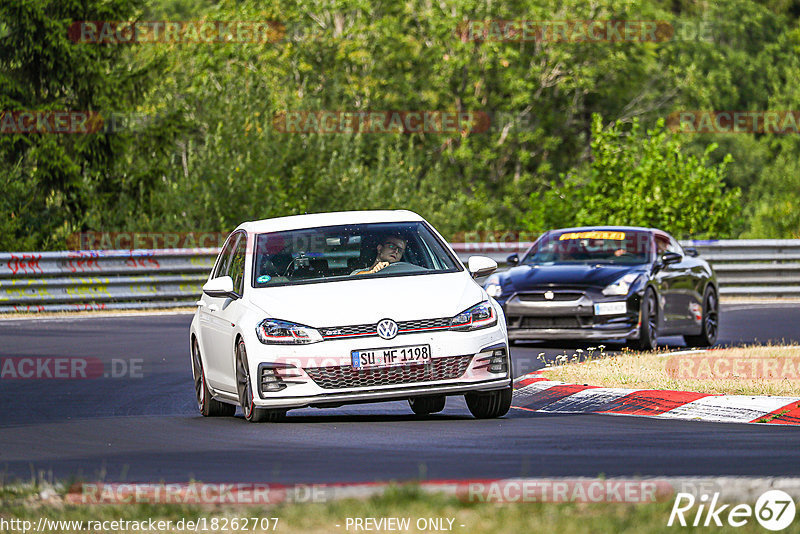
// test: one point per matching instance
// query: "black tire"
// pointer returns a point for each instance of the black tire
(427, 405)
(708, 335)
(648, 332)
(245, 390)
(208, 406)
(489, 405)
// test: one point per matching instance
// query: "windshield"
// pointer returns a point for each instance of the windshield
(349, 252)
(595, 246)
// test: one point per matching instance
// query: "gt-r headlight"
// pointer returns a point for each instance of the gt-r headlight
(494, 290)
(622, 286)
(277, 332)
(479, 316)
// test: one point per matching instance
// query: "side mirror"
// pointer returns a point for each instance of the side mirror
(670, 257)
(481, 266)
(220, 287)
(691, 251)
(513, 259)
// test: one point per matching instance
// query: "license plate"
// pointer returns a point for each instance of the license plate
(391, 357)
(610, 308)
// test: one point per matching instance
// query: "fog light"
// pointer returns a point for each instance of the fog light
(495, 362)
(270, 380)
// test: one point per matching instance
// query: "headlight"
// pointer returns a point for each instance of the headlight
(479, 316)
(494, 290)
(622, 286)
(277, 332)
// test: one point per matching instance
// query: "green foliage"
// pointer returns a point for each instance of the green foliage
(641, 179)
(213, 157)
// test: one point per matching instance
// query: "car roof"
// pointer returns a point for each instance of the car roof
(314, 220)
(618, 228)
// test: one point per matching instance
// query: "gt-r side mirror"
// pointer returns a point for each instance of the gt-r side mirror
(670, 257)
(691, 251)
(513, 259)
(481, 266)
(220, 287)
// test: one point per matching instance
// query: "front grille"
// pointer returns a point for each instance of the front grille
(558, 296)
(404, 327)
(553, 321)
(344, 376)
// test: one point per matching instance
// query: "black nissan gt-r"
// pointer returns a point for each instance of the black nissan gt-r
(602, 283)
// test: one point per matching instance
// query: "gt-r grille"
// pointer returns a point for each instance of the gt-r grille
(344, 376)
(403, 327)
(557, 296)
(550, 322)
(556, 321)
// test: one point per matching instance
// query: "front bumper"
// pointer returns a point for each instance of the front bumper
(569, 314)
(321, 374)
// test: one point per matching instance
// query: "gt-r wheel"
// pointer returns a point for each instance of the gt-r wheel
(648, 331)
(489, 405)
(208, 407)
(708, 336)
(245, 390)
(427, 405)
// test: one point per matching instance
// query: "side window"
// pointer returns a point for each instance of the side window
(224, 259)
(674, 246)
(236, 268)
(662, 245)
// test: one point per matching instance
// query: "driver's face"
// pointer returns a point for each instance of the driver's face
(391, 250)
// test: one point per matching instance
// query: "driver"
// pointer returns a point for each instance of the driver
(390, 251)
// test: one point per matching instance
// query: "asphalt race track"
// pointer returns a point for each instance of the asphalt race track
(145, 427)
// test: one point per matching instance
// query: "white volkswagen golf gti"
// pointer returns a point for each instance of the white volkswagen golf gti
(339, 308)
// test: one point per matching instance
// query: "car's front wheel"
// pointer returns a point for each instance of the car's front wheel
(208, 406)
(648, 330)
(489, 405)
(427, 405)
(245, 390)
(708, 335)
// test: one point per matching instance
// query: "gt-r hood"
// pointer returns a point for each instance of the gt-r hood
(368, 300)
(525, 277)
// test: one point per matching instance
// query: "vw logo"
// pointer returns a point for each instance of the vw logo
(387, 329)
(549, 295)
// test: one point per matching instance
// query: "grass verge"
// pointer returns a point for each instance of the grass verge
(762, 370)
(398, 502)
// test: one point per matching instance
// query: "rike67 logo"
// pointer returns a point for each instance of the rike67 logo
(774, 510)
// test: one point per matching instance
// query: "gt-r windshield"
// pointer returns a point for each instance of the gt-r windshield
(349, 252)
(592, 246)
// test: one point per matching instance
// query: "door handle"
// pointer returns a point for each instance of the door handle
(211, 307)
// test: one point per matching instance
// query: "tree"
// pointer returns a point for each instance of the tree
(641, 179)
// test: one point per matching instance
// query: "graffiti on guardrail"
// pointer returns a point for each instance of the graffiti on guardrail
(82, 261)
(24, 263)
(170, 278)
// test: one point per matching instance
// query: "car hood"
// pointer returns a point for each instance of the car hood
(368, 300)
(524, 277)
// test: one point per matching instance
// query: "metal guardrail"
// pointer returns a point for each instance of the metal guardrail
(102, 279)
(142, 279)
